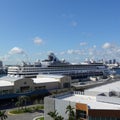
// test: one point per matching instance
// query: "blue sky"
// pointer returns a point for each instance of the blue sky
(72, 29)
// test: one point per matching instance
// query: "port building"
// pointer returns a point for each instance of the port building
(98, 103)
(11, 87)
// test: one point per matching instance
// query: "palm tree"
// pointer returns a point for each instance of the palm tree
(70, 111)
(3, 116)
(23, 100)
(59, 118)
(55, 115)
(17, 104)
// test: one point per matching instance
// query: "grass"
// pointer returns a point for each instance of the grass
(27, 109)
(41, 118)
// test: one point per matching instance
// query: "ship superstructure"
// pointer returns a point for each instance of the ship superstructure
(53, 65)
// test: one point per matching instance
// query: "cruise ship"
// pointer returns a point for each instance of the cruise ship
(53, 65)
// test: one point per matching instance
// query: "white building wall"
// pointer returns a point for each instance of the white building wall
(61, 105)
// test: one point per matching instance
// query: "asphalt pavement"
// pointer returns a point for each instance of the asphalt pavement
(25, 116)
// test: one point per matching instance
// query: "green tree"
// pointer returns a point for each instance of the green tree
(3, 116)
(69, 110)
(71, 113)
(59, 118)
(17, 104)
(23, 100)
(55, 115)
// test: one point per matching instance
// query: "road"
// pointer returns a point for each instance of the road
(24, 116)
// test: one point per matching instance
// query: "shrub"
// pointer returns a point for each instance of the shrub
(41, 118)
(27, 109)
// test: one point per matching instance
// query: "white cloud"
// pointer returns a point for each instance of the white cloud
(107, 45)
(83, 43)
(94, 46)
(38, 40)
(12, 56)
(91, 53)
(16, 50)
(110, 51)
(49, 52)
(118, 50)
(74, 52)
(62, 53)
(70, 51)
(5, 57)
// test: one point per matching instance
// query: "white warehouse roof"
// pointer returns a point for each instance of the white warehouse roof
(44, 80)
(106, 88)
(8, 80)
(6, 83)
(90, 101)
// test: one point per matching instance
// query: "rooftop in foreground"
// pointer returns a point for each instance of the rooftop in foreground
(91, 101)
(107, 87)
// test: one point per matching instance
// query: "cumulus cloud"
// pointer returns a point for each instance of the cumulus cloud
(118, 50)
(74, 52)
(38, 40)
(106, 52)
(107, 45)
(83, 43)
(50, 51)
(16, 50)
(94, 46)
(14, 55)
(5, 57)
(110, 51)
(62, 53)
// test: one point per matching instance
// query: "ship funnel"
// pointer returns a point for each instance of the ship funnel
(52, 57)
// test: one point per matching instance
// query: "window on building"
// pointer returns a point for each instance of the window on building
(80, 114)
(5, 91)
(24, 88)
(40, 87)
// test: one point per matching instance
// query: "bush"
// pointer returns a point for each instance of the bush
(39, 107)
(17, 111)
(41, 118)
(27, 109)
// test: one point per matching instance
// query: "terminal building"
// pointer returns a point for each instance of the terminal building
(99, 103)
(12, 87)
